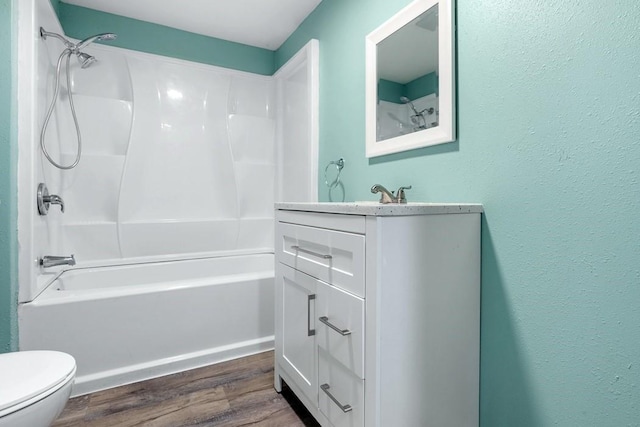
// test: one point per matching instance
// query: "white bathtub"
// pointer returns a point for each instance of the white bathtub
(133, 322)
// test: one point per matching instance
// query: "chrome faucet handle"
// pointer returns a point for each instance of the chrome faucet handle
(44, 199)
(54, 200)
(400, 197)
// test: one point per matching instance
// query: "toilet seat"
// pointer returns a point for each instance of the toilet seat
(30, 376)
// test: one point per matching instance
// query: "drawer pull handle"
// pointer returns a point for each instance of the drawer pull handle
(345, 408)
(343, 332)
(310, 332)
(307, 251)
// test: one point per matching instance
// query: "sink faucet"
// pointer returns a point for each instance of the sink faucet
(388, 197)
(385, 195)
(52, 261)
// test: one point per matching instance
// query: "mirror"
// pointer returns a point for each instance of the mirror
(410, 79)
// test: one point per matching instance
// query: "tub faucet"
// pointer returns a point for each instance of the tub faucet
(388, 197)
(52, 261)
(44, 199)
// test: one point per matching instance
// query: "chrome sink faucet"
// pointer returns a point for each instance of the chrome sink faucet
(389, 197)
(52, 261)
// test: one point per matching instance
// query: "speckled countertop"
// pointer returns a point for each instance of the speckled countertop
(379, 209)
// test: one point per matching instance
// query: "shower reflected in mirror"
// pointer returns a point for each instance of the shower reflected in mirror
(410, 79)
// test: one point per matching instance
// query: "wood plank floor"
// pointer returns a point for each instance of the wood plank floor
(235, 393)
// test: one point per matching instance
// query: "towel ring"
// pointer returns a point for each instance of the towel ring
(339, 164)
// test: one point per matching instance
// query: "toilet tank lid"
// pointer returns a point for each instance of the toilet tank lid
(26, 374)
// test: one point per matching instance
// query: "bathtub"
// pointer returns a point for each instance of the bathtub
(133, 322)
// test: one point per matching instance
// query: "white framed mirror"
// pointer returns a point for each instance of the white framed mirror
(410, 81)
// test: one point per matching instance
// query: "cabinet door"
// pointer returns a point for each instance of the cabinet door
(296, 342)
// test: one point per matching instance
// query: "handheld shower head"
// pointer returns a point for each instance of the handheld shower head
(98, 37)
(75, 48)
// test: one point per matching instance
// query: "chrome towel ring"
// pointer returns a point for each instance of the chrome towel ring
(339, 164)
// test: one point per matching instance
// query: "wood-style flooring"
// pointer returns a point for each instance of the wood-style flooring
(235, 393)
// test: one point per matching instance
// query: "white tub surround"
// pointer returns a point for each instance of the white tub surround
(133, 322)
(170, 211)
(179, 159)
(184, 164)
(378, 312)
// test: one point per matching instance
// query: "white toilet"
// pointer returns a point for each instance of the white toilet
(34, 387)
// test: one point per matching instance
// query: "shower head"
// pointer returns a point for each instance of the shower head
(98, 37)
(85, 59)
(406, 100)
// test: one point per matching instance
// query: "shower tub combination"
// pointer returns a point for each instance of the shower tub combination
(169, 279)
(128, 323)
(169, 210)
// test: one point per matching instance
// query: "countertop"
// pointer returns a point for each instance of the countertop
(379, 209)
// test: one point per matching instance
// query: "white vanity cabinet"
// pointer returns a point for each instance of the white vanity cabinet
(378, 312)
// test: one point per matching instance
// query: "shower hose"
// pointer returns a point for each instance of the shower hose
(67, 53)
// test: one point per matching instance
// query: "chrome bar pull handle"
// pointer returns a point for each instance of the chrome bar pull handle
(343, 332)
(310, 332)
(345, 408)
(307, 251)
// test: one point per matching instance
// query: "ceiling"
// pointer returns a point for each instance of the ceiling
(262, 23)
(412, 51)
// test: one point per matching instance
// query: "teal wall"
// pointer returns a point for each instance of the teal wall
(8, 199)
(56, 6)
(390, 91)
(79, 22)
(422, 86)
(549, 142)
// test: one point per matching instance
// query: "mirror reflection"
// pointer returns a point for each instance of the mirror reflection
(407, 86)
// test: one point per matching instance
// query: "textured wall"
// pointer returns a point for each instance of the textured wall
(80, 22)
(8, 243)
(549, 142)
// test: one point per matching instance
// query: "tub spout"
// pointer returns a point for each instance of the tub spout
(52, 261)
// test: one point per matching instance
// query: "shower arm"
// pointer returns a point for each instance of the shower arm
(44, 34)
(75, 48)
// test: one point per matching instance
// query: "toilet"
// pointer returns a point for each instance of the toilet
(34, 387)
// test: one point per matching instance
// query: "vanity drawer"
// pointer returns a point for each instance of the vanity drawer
(341, 394)
(340, 326)
(335, 257)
